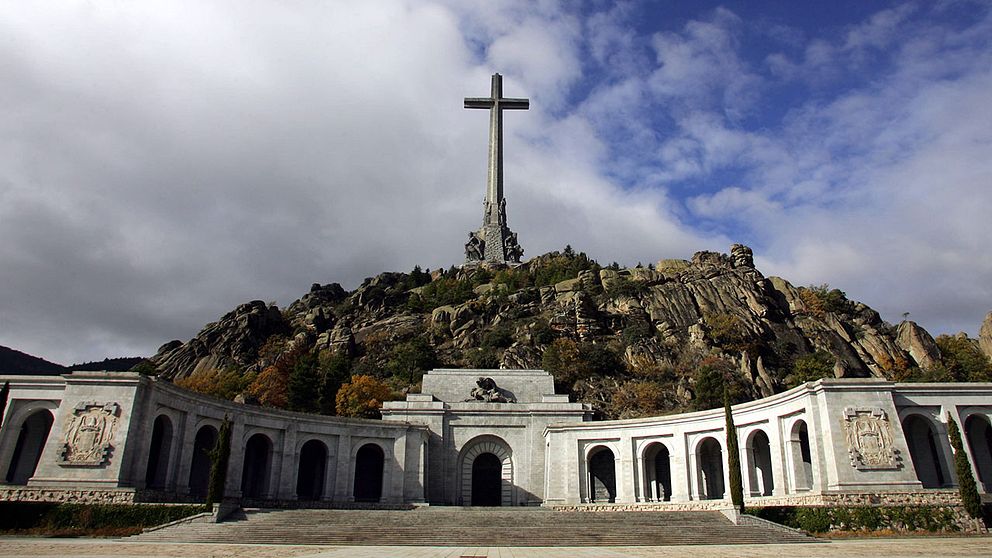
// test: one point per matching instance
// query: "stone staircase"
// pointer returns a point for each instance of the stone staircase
(444, 526)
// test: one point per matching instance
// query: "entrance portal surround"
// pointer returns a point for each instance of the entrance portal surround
(498, 447)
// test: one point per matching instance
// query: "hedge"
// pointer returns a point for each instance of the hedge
(43, 517)
(861, 518)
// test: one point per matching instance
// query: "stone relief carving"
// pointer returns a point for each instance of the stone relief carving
(88, 434)
(489, 392)
(869, 439)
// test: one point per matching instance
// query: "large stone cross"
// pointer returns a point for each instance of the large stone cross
(494, 242)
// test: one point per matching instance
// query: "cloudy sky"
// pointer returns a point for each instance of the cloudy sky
(162, 162)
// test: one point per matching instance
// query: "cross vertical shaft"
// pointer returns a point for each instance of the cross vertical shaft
(494, 242)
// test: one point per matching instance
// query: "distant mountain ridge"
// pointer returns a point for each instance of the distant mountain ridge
(14, 362)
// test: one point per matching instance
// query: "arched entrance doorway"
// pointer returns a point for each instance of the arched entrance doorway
(157, 471)
(30, 444)
(709, 455)
(759, 454)
(487, 476)
(255, 476)
(802, 459)
(369, 466)
(657, 473)
(925, 449)
(602, 476)
(199, 469)
(486, 472)
(310, 476)
(979, 435)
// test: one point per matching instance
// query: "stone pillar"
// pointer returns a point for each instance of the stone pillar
(184, 457)
(777, 450)
(175, 451)
(395, 487)
(342, 485)
(288, 469)
(625, 471)
(752, 484)
(236, 465)
(679, 463)
(330, 475)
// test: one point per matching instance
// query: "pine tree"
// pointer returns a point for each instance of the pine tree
(302, 393)
(733, 457)
(962, 467)
(219, 457)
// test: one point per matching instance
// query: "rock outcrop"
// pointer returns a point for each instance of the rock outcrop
(985, 335)
(661, 322)
(231, 342)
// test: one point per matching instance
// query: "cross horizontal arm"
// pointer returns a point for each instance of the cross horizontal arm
(522, 104)
(478, 102)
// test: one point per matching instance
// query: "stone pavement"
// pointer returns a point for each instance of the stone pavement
(863, 548)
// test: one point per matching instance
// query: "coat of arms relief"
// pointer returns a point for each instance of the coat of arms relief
(88, 434)
(869, 439)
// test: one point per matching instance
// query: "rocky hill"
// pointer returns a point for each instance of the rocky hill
(638, 341)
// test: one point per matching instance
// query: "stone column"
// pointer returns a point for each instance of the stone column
(330, 474)
(342, 488)
(398, 468)
(288, 465)
(184, 457)
(625, 471)
(175, 450)
(679, 464)
(236, 465)
(777, 451)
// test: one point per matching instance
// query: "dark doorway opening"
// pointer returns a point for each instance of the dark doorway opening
(368, 473)
(487, 476)
(603, 476)
(255, 478)
(199, 470)
(310, 478)
(30, 443)
(157, 471)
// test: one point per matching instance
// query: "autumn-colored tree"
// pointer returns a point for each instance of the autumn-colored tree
(639, 398)
(362, 397)
(223, 384)
(271, 387)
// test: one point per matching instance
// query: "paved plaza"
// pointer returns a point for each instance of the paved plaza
(874, 548)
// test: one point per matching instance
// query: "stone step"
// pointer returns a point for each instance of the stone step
(474, 527)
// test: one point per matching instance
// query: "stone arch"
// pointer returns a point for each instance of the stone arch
(312, 466)
(925, 449)
(761, 481)
(800, 456)
(33, 431)
(157, 469)
(709, 467)
(500, 451)
(978, 433)
(601, 463)
(257, 466)
(199, 469)
(657, 467)
(370, 460)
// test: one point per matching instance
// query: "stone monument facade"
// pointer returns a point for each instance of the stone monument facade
(494, 242)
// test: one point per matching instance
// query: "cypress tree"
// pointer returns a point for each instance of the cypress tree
(219, 457)
(733, 457)
(962, 467)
